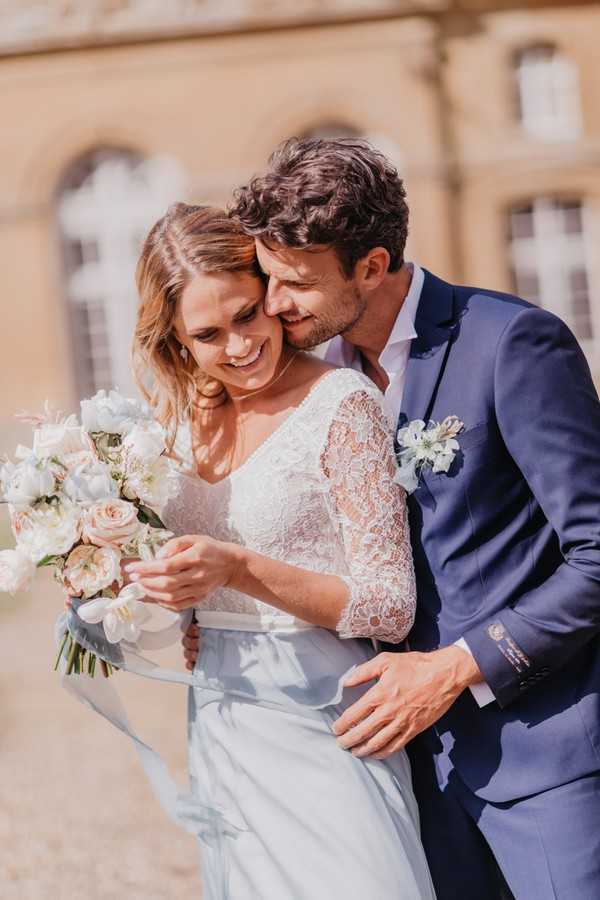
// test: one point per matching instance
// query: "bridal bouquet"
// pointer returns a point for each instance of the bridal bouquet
(84, 497)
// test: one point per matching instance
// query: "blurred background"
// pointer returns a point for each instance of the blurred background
(112, 109)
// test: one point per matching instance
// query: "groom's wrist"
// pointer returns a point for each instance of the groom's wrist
(463, 667)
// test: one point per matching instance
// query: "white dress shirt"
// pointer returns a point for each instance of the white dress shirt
(394, 361)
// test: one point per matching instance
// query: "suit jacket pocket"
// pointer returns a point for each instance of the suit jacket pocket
(477, 446)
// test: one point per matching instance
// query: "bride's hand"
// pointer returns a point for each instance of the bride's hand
(188, 569)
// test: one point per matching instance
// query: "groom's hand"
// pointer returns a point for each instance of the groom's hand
(191, 645)
(413, 691)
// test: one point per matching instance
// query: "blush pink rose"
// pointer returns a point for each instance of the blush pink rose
(90, 569)
(110, 522)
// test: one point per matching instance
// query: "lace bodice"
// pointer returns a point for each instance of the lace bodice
(319, 494)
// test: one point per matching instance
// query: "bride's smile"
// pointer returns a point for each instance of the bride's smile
(222, 323)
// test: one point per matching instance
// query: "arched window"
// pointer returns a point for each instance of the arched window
(549, 260)
(547, 93)
(105, 205)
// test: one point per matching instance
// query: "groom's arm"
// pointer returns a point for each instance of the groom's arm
(549, 415)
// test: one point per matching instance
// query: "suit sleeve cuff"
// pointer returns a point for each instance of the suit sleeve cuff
(482, 693)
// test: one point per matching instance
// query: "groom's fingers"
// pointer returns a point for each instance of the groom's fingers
(367, 671)
(355, 716)
(361, 732)
(378, 742)
(394, 746)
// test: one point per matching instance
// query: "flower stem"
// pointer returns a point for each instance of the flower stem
(60, 650)
(104, 667)
(73, 655)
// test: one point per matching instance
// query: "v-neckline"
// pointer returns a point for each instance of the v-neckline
(195, 476)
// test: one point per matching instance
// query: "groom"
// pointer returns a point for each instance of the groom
(499, 694)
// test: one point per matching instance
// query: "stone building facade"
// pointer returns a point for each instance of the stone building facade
(111, 109)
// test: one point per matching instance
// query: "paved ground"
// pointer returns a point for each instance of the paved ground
(77, 818)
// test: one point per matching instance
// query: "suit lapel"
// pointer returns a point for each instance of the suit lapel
(435, 326)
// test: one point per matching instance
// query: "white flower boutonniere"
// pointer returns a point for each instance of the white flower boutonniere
(421, 445)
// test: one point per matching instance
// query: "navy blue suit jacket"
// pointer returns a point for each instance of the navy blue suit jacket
(507, 543)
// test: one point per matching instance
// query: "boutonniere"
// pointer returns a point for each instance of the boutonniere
(426, 446)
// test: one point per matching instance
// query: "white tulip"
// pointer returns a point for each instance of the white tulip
(122, 618)
(16, 571)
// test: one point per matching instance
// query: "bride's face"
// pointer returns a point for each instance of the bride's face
(221, 320)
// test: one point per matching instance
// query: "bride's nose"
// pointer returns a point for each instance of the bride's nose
(237, 346)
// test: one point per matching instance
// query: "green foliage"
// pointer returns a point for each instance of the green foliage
(148, 516)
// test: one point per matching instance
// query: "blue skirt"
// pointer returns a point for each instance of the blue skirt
(288, 814)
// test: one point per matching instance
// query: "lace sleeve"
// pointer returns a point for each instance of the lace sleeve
(370, 511)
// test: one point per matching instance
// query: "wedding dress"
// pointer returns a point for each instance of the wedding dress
(292, 816)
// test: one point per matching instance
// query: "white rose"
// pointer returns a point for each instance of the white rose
(16, 571)
(49, 530)
(145, 444)
(152, 484)
(89, 569)
(62, 439)
(110, 522)
(27, 482)
(112, 413)
(90, 483)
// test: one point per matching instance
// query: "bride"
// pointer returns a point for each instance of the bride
(292, 546)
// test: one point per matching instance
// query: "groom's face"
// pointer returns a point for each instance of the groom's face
(310, 293)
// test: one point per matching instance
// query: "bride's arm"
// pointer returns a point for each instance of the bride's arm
(378, 596)
(195, 565)
(371, 514)
(376, 599)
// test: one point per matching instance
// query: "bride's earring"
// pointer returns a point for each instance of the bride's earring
(183, 353)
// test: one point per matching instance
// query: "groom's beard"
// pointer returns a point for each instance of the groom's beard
(344, 315)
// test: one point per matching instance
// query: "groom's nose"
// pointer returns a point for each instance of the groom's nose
(277, 300)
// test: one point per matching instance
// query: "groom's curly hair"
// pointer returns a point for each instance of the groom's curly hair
(341, 193)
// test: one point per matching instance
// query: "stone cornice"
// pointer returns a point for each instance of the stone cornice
(32, 25)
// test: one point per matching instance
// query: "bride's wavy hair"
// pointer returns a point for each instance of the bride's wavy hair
(187, 241)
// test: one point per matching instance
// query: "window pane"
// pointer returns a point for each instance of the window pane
(547, 93)
(106, 205)
(521, 223)
(548, 256)
(572, 218)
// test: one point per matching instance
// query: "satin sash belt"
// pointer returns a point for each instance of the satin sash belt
(232, 621)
